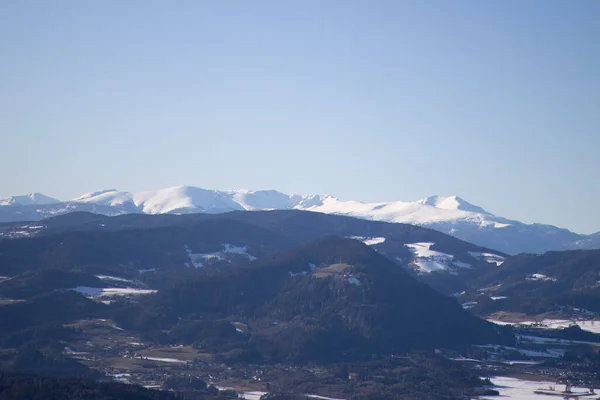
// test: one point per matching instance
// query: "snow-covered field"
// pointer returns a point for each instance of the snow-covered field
(197, 260)
(316, 396)
(592, 326)
(488, 258)
(369, 241)
(255, 395)
(496, 350)
(513, 388)
(546, 341)
(588, 325)
(540, 277)
(469, 304)
(104, 292)
(113, 278)
(427, 260)
(167, 360)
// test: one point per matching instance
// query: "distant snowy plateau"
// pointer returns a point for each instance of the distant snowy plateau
(451, 215)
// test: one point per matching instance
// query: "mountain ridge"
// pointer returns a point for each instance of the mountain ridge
(448, 214)
(28, 199)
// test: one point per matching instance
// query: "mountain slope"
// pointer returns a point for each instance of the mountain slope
(127, 244)
(557, 282)
(451, 214)
(28, 200)
(330, 300)
(129, 251)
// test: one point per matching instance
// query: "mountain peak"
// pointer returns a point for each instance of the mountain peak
(451, 203)
(108, 197)
(92, 195)
(27, 200)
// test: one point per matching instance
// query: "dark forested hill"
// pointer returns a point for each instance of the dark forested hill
(32, 331)
(132, 242)
(56, 307)
(31, 283)
(131, 250)
(540, 283)
(328, 300)
(20, 387)
(241, 288)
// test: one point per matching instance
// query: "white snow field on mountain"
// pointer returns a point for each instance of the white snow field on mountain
(448, 214)
(28, 200)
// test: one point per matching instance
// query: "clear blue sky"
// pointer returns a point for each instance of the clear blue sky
(495, 101)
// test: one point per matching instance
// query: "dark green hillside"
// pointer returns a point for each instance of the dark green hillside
(33, 331)
(56, 307)
(534, 284)
(123, 244)
(32, 283)
(20, 386)
(125, 251)
(350, 303)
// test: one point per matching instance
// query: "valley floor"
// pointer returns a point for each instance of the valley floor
(125, 357)
(523, 389)
(547, 322)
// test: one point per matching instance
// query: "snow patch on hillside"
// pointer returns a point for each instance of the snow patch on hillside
(164, 359)
(587, 325)
(427, 260)
(540, 277)
(197, 260)
(513, 388)
(469, 304)
(353, 280)
(294, 274)
(108, 292)
(369, 241)
(489, 258)
(113, 278)
(146, 270)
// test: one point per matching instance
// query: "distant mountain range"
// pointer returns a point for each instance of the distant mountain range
(451, 214)
(182, 244)
(34, 199)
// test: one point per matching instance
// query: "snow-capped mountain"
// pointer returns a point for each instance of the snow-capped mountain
(450, 214)
(189, 199)
(28, 200)
(186, 199)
